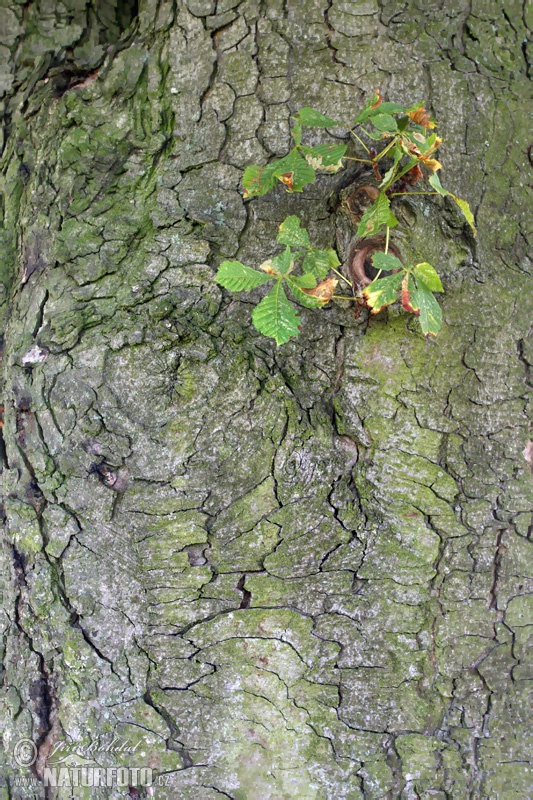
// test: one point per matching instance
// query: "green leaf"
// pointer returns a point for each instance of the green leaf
(386, 261)
(390, 175)
(374, 217)
(284, 263)
(304, 299)
(435, 182)
(327, 157)
(294, 171)
(290, 232)
(429, 276)
(384, 122)
(318, 263)
(390, 108)
(236, 277)
(403, 122)
(465, 208)
(392, 222)
(383, 291)
(376, 136)
(296, 134)
(367, 109)
(314, 119)
(305, 281)
(406, 167)
(275, 316)
(369, 113)
(430, 312)
(333, 257)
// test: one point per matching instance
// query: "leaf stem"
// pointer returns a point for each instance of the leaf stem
(398, 194)
(341, 297)
(386, 149)
(336, 271)
(362, 160)
(386, 250)
(360, 141)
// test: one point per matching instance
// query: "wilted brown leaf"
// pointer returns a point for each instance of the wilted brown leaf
(421, 117)
(324, 290)
(414, 175)
(430, 163)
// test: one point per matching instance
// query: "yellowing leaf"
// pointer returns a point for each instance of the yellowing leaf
(429, 275)
(429, 311)
(465, 208)
(430, 163)
(266, 266)
(382, 292)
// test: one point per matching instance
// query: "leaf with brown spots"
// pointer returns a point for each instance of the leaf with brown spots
(287, 179)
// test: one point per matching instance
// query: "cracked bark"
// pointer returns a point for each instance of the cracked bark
(311, 581)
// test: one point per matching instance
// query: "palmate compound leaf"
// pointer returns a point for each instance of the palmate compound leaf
(374, 217)
(291, 233)
(236, 277)
(275, 317)
(382, 292)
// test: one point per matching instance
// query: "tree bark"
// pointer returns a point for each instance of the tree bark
(274, 573)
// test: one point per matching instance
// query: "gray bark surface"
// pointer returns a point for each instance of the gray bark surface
(313, 582)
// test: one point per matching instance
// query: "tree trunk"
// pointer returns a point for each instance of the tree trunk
(293, 573)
